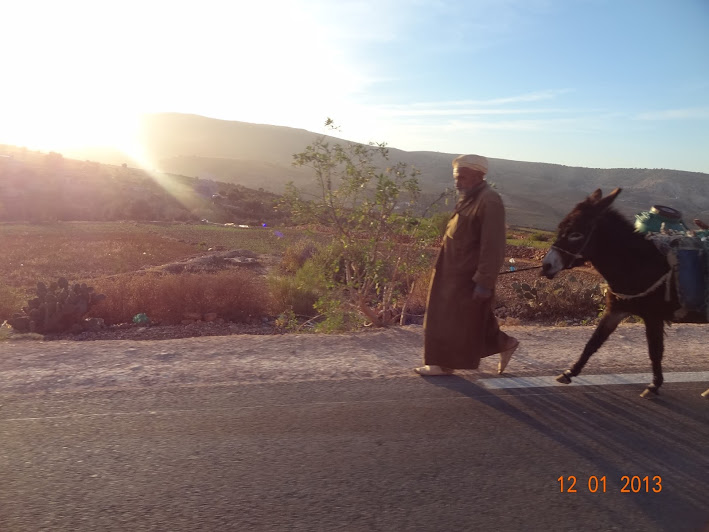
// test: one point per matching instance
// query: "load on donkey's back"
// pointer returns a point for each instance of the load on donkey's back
(687, 253)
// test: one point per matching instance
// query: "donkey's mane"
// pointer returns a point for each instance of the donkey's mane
(623, 228)
(613, 216)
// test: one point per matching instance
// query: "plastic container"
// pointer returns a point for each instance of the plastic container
(651, 221)
(691, 269)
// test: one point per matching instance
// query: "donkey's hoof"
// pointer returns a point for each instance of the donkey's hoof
(650, 391)
(705, 394)
(564, 378)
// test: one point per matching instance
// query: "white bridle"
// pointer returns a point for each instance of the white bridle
(578, 254)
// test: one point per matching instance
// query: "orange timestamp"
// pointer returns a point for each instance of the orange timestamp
(595, 484)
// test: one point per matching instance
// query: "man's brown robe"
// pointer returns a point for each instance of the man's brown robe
(458, 331)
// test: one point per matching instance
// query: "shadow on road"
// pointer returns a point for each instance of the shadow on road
(609, 426)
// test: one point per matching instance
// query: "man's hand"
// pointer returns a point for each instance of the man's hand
(481, 293)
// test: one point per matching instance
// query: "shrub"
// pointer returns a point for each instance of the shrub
(287, 321)
(297, 293)
(540, 237)
(337, 317)
(377, 237)
(59, 307)
(295, 255)
(236, 295)
(436, 224)
(416, 300)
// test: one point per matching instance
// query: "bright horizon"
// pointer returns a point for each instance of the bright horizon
(593, 83)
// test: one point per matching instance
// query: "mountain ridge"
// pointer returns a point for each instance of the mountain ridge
(536, 194)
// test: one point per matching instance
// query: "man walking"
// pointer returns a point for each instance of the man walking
(460, 327)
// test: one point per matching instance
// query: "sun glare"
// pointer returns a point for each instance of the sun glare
(84, 82)
(54, 130)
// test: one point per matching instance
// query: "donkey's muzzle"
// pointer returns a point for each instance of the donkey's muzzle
(547, 271)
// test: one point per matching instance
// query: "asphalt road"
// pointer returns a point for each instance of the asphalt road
(405, 453)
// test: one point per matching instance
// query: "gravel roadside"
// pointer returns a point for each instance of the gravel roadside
(31, 366)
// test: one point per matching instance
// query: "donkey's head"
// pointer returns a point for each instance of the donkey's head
(575, 233)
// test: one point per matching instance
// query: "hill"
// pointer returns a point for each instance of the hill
(259, 156)
(41, 187)
(536, 194)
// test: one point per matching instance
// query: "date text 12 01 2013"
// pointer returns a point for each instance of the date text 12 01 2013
(594, 484)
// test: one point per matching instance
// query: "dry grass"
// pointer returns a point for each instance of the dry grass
(83, 250)
(109, 255)
(574, 296)
(234, 295)
(11, 301)
(531, 238)
(416, 301)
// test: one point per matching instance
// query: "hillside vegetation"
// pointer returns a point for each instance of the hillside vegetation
(166, 270)
(536, 194)
(177, 273)
(169, 248)
(45, 187)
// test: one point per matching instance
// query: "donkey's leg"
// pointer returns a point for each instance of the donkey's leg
(654, 332)
(609, 322)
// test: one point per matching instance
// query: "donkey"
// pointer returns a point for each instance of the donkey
(638, 274)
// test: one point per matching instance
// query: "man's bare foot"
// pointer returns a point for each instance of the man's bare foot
(506, 355)
(429, 371)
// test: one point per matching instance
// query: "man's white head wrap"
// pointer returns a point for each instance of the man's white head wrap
(474, 162)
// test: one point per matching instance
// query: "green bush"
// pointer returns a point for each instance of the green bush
(371, 215)
(298, 292)
(295, 255)
(337, 317)
(289, 294)
(435, 225)
(540, 237)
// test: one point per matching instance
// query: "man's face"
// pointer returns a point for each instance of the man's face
(466, 179)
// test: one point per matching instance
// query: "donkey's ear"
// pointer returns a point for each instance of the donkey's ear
(595, 196)
(606, 202)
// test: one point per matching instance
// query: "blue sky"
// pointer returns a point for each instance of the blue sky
(596, 83)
